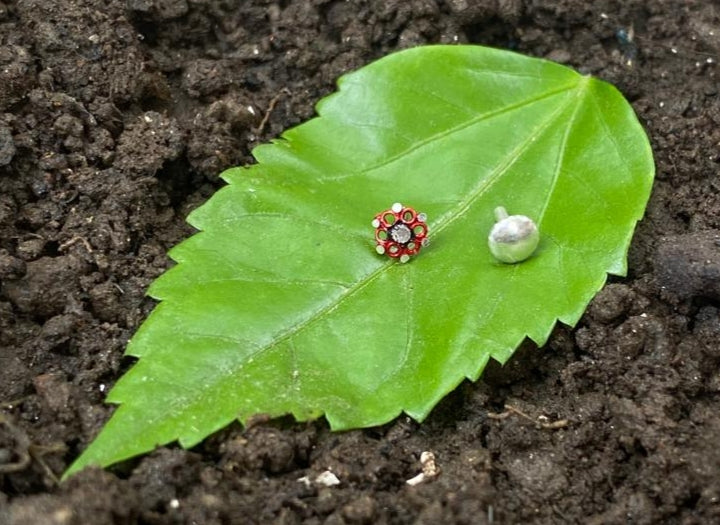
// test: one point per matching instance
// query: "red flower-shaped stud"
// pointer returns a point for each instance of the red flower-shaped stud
(400, 232)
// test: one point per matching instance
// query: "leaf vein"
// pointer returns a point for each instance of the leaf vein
(445, 133)
(563, 146)
(484, 184)
(409, 332)
(279, 280)
(277, 215)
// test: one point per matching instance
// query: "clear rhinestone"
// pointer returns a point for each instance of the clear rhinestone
(397, 207)
(422, 217)
(401, 233)
(375, 223)
(380, 249)
(425, 241)
(404, 258)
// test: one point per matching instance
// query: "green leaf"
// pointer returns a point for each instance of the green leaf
(281, 305)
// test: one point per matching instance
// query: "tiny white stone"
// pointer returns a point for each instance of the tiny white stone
(404, 258)
(422, 217)
(375, 223)
(305, 480)
(430, 469)
(397, 207)
(327, 479)
(416, 480)
(380, 249)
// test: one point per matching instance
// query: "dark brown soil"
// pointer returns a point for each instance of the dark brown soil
(115, 119)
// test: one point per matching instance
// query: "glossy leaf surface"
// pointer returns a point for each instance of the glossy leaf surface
(280, 304)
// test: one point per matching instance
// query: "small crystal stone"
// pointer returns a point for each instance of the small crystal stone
(397, 207)
(404, 258)
(422, 217)
(401, 233)
(375, 223)
(380, 249)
